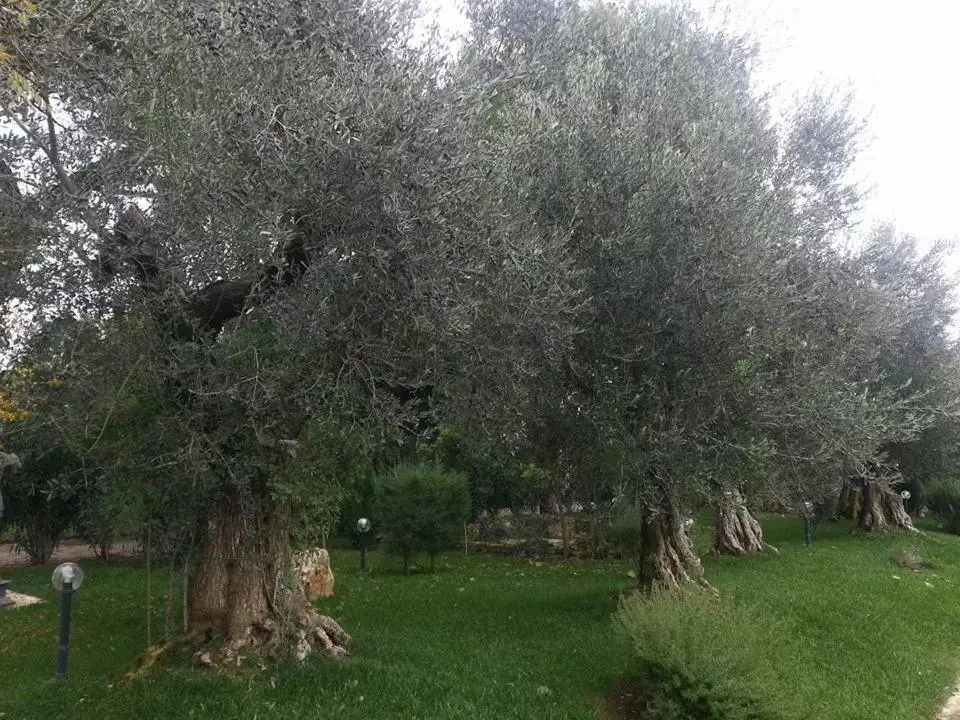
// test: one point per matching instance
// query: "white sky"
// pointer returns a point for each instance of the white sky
(902, 61)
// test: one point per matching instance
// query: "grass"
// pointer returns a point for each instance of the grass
(867, 638)
(481, 637)
(503, 638)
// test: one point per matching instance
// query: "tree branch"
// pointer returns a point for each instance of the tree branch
(84, 16)
(52, 151)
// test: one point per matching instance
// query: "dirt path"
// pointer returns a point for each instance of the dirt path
(951, 711)
(68, 551)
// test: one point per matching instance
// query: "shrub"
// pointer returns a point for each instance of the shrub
(421, 509)
(943, 499)
(532, 527)
(909, 559)
(702, 658)
(324, 480)
(43, 500)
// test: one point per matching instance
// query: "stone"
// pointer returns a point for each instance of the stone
(316, 573)
(4, 598)
(9, 463)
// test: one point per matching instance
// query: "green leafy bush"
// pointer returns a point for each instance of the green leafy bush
(324, 480)
(44, 499)
(421, 509)
(702, 658)
(943, 498)
(532, 527)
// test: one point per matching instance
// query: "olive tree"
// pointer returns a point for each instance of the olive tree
(278, 221)
(914, 355)
(719, 355)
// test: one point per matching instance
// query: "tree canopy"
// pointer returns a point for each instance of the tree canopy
(242, 236)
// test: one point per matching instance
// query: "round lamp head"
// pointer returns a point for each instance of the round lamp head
(67, 572)
(905, 494)
(363, 525)
(687, 524)
(808, 506)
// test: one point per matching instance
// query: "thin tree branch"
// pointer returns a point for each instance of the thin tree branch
(54, 151)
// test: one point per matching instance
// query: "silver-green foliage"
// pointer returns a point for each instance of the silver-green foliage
(238, 127)
(726, 339)
(591, 199)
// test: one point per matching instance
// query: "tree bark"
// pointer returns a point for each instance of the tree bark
(666, 556)
(244, 592)
(736, 531)
(848, 504)
(881, 508)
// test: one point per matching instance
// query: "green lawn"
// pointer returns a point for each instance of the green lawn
(501, 638)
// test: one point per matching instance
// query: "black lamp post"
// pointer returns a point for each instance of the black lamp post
(67, 579)
(808, 523)
(363, 529)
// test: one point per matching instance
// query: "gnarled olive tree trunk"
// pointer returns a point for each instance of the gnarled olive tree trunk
(245, 591)
(881, 508)
(665, 555)
(736, 531)
(873, 503)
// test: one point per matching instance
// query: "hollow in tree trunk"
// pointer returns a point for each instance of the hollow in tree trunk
(736, 531)
(666, 556)
(881, 508)
(244, 592)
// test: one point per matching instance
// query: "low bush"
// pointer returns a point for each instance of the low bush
(44, 499)
(909, 559)
(942, 497)
(702, 658)
(422, 509)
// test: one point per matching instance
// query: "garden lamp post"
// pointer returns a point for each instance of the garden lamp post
(363, 529)
(67, 579)
(807, 523)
